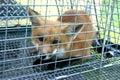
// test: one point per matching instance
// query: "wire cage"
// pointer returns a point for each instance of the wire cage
(20, 60)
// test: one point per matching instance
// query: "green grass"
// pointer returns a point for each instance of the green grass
(110, 19)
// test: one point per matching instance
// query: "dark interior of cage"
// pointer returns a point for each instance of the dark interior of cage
(16, 58)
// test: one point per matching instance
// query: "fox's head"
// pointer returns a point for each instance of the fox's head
(52, 38)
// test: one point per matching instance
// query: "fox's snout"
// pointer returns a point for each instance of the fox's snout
(57, 53)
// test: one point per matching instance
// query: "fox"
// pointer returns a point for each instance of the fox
(70, 35)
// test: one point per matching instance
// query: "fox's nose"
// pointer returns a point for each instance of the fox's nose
(42, 55)
(45, 56)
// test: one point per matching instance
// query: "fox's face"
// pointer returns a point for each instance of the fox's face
(51, 40)
(54, 38)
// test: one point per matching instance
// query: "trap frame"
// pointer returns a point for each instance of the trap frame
(16, 62)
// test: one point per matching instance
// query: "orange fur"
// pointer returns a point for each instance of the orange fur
(73, 16)
(59, 32)
(80, 16)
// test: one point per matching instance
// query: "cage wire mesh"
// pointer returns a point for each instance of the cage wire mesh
(19, 59)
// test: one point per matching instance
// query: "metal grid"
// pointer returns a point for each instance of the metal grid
(8, 10)
(16, 60)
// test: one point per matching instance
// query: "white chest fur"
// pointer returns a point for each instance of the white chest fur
(59, 53)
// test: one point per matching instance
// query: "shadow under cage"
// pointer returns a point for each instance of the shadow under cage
(22, 55)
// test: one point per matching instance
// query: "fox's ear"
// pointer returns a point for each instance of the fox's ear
(34, 17)
(72, 30)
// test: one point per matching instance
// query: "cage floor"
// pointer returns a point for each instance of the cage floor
(16, 63)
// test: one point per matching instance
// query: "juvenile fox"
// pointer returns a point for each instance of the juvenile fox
(68, 36)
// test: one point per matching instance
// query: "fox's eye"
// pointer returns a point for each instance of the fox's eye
(41, 38)
(56, 41)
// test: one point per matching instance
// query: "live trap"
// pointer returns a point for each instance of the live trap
(17, 62)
